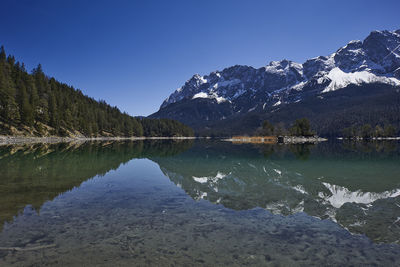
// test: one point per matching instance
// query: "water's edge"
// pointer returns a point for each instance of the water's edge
(13, 140)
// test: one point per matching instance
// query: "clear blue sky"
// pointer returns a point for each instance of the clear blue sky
(133, 54)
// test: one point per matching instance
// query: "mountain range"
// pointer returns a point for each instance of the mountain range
(357, 84)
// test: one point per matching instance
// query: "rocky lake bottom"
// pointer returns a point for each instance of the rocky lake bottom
(200, 203)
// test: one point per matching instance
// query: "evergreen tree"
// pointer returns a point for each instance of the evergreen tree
(301, 127)
(378, 131)
(366, 131)
(34, 100)
(389, 131)
(267, 128)
(25, 107)
(53, 112)
(8, 107)
(3, 55)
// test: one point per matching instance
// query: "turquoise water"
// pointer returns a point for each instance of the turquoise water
(205, 203)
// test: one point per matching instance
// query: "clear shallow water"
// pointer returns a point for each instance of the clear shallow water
(200, 203)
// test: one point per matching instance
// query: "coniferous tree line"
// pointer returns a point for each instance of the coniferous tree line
(164, 127)
(366, 131)
(352, 107)
(33, 103)
(300, 127)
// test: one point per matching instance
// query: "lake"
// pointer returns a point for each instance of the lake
(200, 203)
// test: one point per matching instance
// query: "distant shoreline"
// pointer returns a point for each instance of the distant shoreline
(275, 139)
(13, 140)
(25, 140)
(368, 139)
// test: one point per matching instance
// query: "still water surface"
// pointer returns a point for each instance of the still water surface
(173, 203)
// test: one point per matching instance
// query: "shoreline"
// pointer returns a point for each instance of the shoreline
(15, 140)
(21, 140)
(303, 140)
(276, 140)
(369, 139)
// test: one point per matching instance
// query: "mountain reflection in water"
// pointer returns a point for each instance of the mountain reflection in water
(100, 202)
(34, 174)
(356, 185)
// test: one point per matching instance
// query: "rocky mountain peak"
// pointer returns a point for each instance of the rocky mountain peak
(376, 59)
(382, 47)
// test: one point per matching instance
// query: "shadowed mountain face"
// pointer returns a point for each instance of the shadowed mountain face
(34, 174)
(356, 185)
(314, 89)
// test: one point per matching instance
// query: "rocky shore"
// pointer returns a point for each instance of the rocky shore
(301, 139)
(275, 140)
(12, 140)
(358, 138)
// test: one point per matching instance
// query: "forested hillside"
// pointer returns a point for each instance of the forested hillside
(343, 112)
(34, 104)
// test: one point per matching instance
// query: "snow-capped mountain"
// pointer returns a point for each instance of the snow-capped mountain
(242, 89)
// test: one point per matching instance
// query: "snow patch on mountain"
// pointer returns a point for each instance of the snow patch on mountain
(277, 103)
(299, 86)
(200, 79)
(283, 67)
(340, 79)
(200, 95)
(252, 109)
(210, 96)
